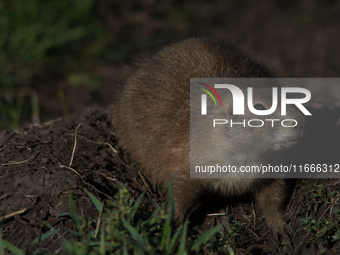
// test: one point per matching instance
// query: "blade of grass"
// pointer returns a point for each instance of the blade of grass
(152, 219)
(43, 237)
(67, 247)
(134, 233)
(134, 208)
(12, 248)
(49, 226)
(125, 249)
(35, 108)
(171, 200)
(138, 250)
(74, 232)
(166, 234)
(174, 239)
(204, 238)
(181, 249)
(102, 242)
(107, 244)
(230, 250)
(94, 200)
(41, 251)
(2, 241)
(4, 244)
(72, 209)
(167, 227)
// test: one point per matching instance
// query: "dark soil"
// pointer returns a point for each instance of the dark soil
(35, 174)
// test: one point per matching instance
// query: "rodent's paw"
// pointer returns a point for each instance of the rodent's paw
(282, 228)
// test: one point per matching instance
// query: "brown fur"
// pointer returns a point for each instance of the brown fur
(153, 124)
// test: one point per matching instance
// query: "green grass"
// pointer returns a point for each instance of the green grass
(39, 38)
(324, 226)
(126, 228)
(45, 43)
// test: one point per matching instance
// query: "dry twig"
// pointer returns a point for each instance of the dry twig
(11, 163)
(75, 145)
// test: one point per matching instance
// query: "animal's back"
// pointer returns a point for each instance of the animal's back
(154, 112)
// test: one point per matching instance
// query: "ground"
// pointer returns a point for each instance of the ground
(39, 164)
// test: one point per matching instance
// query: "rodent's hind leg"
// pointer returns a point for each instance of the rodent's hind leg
(270, 199)
(185, 196)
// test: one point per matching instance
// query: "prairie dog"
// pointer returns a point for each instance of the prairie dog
(154, 120)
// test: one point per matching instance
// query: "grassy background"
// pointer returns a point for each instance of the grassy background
(56, 55)
(42, 38)
(45, 42)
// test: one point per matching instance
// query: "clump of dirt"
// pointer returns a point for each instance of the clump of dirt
(39, 164)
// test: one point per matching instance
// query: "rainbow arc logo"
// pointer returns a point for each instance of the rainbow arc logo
(204, 97)
(209, 93)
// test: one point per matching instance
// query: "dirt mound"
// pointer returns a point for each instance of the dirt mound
(37, 164)
(35, 172)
